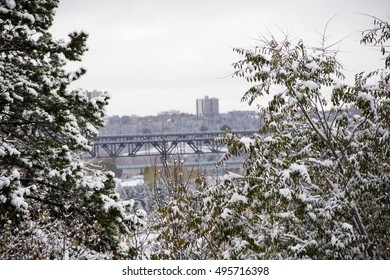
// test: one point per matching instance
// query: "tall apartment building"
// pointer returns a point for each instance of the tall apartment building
(207, 107)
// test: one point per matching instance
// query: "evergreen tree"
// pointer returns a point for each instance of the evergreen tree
(52, 204)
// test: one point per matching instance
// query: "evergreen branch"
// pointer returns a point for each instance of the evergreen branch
(46, 201)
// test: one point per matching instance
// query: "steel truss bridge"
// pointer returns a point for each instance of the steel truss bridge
(161, 144)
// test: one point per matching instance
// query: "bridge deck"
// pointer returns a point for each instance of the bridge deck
(161, 144)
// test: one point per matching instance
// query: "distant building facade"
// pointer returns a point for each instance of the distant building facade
(207, 107)
(93, 94)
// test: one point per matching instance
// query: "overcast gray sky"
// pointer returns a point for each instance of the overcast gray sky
(159, 55)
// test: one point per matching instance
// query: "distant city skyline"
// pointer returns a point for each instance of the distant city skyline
(209, 108)
(154, 56)
(181, 123)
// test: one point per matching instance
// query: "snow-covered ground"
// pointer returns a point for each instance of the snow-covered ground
(133, 181)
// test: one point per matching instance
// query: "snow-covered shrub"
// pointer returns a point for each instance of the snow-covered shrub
(317, 178)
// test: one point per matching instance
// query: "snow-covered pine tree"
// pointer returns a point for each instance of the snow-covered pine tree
(317, 178)
(52, 204)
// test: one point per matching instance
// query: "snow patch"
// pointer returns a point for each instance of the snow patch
(285, 215)
(4, 182)
(337, 84)
(333, 240)
(226, 255)
(312, 66)
(238, 198)
(248, 142)
(347, 226)
(367, 98)
(3, 11)
(17, 199)
(32, 91)
(133, 182)
(302, 170)
(47, 81)
(324, 163)
(265, 69)
(311, 85)
(269, 139)
(285, 176)
(302, 197)
(312, 216)
(109, 203)
(207, 200)
(10, 4)
(29, 17)
(285, 192)
(294, 66)
(6, 149)
(92, 129)
(141, 213)
(226, 214)
(239, 244)
(229, 176)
